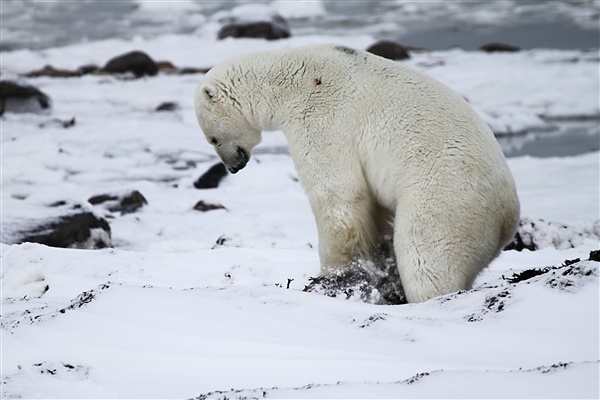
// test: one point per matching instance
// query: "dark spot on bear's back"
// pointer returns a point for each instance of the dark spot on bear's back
(345, 49)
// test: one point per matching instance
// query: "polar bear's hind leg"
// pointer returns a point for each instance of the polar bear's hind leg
(430, 267)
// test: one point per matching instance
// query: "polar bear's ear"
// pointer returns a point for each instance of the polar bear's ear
(208, 92)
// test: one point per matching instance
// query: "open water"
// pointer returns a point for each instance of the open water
(435, 25)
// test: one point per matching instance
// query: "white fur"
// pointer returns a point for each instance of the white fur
(372, 140)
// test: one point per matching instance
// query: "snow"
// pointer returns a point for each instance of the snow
(297, 10)
(188, 304)
(192, 323)
(563, 189)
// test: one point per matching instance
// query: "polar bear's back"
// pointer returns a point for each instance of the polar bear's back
(394, 108)
(390, 99)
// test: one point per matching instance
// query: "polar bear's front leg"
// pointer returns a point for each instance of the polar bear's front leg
(345, 212)
(346, 226)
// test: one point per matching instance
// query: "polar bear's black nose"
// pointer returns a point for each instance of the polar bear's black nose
(241, 159)
(242, 155)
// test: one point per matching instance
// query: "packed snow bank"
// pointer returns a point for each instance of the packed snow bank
(105, 323)
(557, 381)
(559, 189)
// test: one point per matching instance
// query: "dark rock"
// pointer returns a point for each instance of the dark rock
(89, 69)
(59, 203)
(65, 123)
(566, 263)
(275, 28)
(520, 244)
(52, 72)
(18, 98)
(595, 255)
(527, 274)
(132, 202)
(166, 67)
(221, 242)
(390, 50)
(102, 198)
(167, 106)
(137, 62)
(124, 203)
(212, 178)
(79, 230)
(192, 70)
(204, 206)
(499, 47)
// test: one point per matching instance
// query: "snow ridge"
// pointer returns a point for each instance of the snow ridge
(511, 378)
(505, 302)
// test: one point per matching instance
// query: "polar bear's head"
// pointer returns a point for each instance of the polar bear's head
(224, 124)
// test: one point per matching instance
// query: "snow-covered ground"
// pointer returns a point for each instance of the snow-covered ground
(190, 304)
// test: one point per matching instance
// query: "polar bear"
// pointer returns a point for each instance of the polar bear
(375, 144)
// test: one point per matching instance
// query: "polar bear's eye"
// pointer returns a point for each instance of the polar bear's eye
(213, 140)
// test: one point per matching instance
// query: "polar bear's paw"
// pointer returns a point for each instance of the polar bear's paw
(362, 281)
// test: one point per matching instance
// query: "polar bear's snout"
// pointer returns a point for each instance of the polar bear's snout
(234, 160)
(241, 159)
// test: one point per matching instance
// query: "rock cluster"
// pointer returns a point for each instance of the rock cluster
(534, 234)
(22, 98)
(68, 225)
(83, 226)
(135, 63)
(123, 203)
(86, 225)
